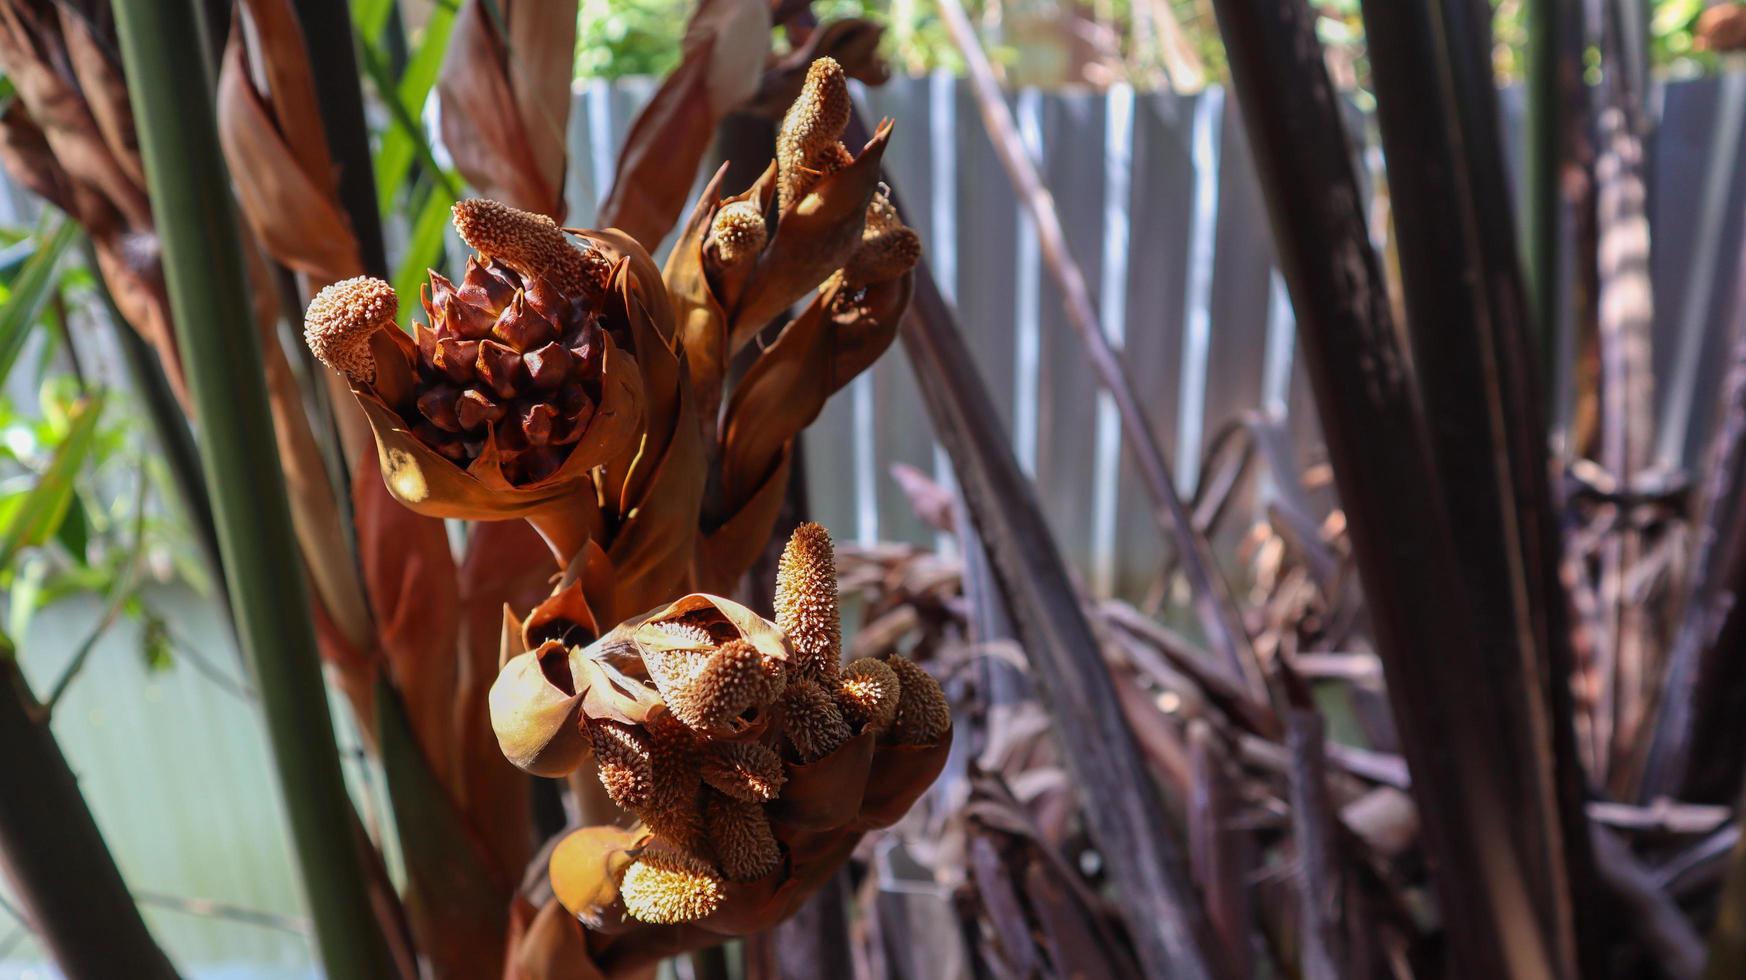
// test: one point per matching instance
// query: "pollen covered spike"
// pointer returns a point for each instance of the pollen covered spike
(806, 602)
(806, 146)
(531, 244)
(744, 770)
(341, 320)
(622, 753)
(666, 886)
(738, 232)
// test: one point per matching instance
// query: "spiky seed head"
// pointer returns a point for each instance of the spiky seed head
(812, 721)
(675, 784)
(341, 320)
(806, 146)
(923, 716)
(531, 244)
(732, 681)
(622, 754)
(868, 693)
(738, 232)
(746, 771)
(740, 833)
(683, 633)
(806, 602)
(666, 886)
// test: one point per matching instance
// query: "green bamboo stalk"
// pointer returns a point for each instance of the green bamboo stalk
(208, 291)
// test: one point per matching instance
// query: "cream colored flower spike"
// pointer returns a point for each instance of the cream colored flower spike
(341, 320)
(806, 602)
(531, 244)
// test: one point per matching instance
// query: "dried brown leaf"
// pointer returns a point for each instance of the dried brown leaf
(482, 119)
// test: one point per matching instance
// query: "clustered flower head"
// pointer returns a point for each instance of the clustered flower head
(703, 720)
(701, 788)
(508, 368)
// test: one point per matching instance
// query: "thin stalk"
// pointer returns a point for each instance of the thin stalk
(1211, 595)
(208, 291)
(1547, 151)
(169, 426)
(1380, 448)
(1125, 814)
(55, 856)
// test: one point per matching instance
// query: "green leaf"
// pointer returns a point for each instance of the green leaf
(154, 642)
(74, 534)
(29, 291)
(40, 514)
(425, 248)
(371, 16)
(405, 141)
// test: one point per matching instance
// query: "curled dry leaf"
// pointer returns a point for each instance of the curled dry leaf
(498, 100)
(276, 148)
(851, 42)
(725, 46)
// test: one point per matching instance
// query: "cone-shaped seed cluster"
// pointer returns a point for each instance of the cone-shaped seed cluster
(511, 357)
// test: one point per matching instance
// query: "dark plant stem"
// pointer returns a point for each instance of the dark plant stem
(1398, 519)
(327, 33)
(1704, 694)
(1124, 814)
(1468, 321)
(55, 856)
(208, 291)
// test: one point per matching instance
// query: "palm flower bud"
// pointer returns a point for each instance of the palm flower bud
(740, 834)
(738, 233)
(812, 721)
(341, 320)
(888, 248)
(807, 146)
(868, 693)
(746, 771)
(666, 885)
(923, 716)
(622, 754)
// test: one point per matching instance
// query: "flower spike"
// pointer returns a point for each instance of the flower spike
(806, 601)
(340, 321)
(666, 886)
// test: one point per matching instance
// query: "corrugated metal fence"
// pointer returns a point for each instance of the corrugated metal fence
(1162, 210)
